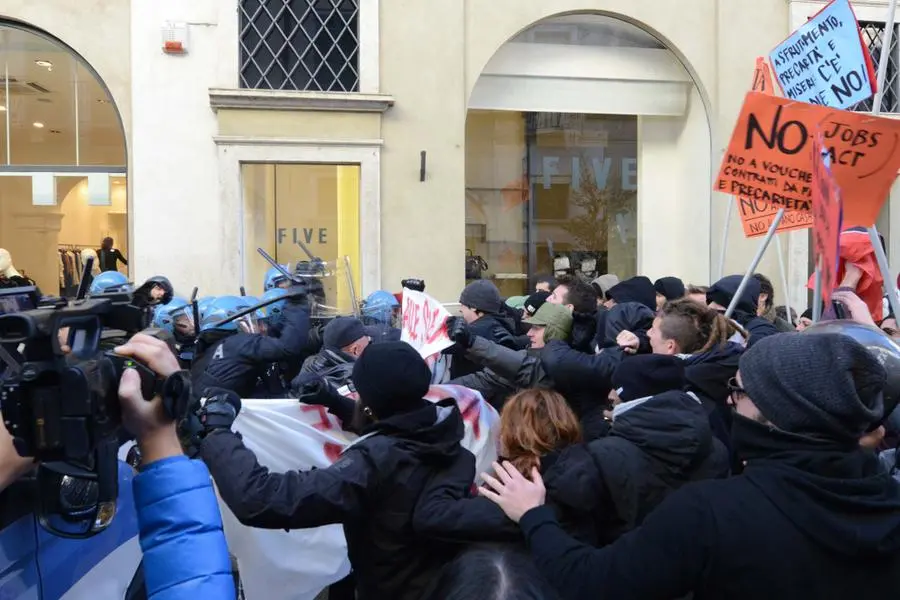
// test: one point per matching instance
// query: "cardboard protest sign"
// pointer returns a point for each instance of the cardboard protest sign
(757, 215)
(825, 61)
(424, 323)
(826, 204)
(769, 156)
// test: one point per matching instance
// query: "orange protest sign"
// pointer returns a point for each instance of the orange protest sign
(826, 204)
(757, 215)
(769, 157)
(762, 77)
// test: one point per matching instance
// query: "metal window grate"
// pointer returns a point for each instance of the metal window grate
(872, 35)
(309, 45)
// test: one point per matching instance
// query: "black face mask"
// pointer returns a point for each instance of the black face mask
(753, 440)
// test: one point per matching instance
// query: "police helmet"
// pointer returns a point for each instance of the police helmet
(109, 282)
(275, 278)
(379, 307)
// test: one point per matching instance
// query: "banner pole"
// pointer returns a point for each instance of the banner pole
(817, 293)
(890, 288)
(728, 213)
(784, 280)
(755, 262)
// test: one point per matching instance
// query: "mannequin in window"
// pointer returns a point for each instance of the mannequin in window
(109, 256)
(9, 277)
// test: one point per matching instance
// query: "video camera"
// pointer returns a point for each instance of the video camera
(59, 399)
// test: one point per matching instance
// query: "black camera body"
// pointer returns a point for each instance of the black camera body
(61, 403)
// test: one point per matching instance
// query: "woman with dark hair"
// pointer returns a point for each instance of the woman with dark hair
(491, 573)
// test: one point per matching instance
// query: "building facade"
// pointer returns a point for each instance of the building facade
(445, 139)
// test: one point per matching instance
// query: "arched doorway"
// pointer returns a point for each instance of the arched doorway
(63, 163)
(563, 124)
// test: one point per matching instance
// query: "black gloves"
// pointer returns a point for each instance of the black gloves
(458, 331)
(301, 299)
(218, 413)
(416, 285)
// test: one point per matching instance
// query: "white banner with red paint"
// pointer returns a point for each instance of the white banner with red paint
(286, 435)
(424, 323)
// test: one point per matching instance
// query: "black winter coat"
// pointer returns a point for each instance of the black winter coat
(372, 490)
(241, 359)
(448, 509)
(707, 376)
(818, 525)
(495, 329)
(584, 331)
(654, 447)
(503, 371)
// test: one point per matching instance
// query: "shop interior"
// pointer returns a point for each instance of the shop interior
(63, 183)
(549, 193)
(291, 206)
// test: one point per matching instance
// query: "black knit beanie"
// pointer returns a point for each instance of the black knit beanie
(648, 375)
(391, 378)
(670, 287)
(825, 385)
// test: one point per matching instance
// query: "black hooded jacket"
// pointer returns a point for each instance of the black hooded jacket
(637, 289)
(372, 490)
(449, 510)
(654, 447)
(494, 328)
(724, 290)
(817, 523)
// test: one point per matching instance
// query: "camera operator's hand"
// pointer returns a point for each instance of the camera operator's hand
(148, 421)
(458, 331)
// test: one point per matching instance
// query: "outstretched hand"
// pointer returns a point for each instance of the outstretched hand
(512, 492)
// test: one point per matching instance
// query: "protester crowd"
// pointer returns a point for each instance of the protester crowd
(650, 446)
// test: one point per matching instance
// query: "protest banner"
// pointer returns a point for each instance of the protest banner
(827, 211)
(424, 323)
(288, 436)
(757, 215)
(769, 156)
(825, 61)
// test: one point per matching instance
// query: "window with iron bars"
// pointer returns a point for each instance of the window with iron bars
(873, 37)
(307, 45)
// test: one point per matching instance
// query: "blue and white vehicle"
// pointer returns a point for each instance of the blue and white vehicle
(36, 565)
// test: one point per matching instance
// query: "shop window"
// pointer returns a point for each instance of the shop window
(63, 182)
(290, 209)
(300, 45)
(550, 193)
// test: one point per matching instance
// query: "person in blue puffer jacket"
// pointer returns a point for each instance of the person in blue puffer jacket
(181, 536)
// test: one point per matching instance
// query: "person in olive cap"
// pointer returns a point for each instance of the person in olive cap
(371, 489)
(813, 513)
(481, 308)
(550, 322)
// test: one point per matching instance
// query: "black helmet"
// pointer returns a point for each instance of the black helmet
(880, 345)
(162, 282)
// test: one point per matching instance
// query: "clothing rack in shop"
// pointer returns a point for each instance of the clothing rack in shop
(77, 246)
